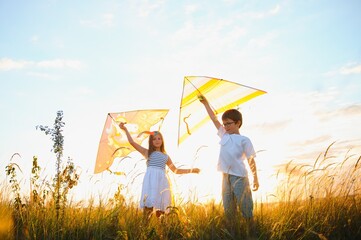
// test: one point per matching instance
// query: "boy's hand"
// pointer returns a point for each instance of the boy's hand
(255, 184)
(202, 99)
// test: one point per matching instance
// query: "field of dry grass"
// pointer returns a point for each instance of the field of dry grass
(318, 201)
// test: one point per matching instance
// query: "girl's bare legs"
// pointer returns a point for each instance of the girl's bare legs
(159, 213)
(146, 212)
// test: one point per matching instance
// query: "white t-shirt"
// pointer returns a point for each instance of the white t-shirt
(235, 150)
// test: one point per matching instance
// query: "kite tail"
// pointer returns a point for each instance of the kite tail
(184, 120)
(116, 150)
(116, 173)
(152, 132)
(148, 132)
(141, 133)
(161, 123)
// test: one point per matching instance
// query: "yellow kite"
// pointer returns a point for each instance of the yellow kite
(221, 95)
(114, 144)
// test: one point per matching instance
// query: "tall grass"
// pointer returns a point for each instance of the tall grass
(319, 201)
(315, 201)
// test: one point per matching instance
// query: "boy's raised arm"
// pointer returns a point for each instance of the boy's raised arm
(210, 112)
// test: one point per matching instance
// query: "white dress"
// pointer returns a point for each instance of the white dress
(156, 190)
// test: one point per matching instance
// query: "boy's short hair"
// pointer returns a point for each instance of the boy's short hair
(234, 115)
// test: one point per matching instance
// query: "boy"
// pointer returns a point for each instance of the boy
(235, 149)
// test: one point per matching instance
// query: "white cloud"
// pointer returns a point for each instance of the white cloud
(350, 69)
(45, 76)
(190, 8)
(146, 7)
(34, 39)
(261, 14)
(105, 20)
(108, 19)
(222, 33)
(83, 91)
(348, 111)
(61, 63)
(271, 127)
(88, 23)
(229, 1)
(7, 64)
(298, 125)
(263, 41)
(275, 10)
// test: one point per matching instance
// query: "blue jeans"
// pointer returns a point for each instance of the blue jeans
(236, 192)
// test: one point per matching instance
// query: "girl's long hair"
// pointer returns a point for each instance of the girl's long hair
(151, 147)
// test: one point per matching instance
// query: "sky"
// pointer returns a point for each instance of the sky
(89, 58)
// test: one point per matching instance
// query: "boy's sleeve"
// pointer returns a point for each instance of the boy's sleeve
(248, 148)
(221, 131)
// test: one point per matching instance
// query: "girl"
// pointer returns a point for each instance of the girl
(156, 193)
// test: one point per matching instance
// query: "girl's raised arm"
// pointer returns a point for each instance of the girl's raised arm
(137, 147)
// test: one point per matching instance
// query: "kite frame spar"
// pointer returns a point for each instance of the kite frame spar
(207, 89)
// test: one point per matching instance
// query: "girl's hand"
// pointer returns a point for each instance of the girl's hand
(195, 170)
(122, 126)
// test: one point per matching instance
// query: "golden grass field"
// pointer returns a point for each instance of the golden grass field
(318, 201)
